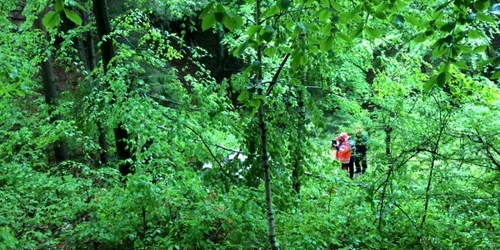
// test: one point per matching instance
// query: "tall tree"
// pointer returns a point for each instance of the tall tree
(108, 52)
(263, 137)
(50, 91)
(87, 54)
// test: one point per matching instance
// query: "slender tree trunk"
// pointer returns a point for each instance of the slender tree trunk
(434, 153)
(267, 179)
(427, 190)
(388, 131)
(87, 53)
(298, 168)
(103, 144)
(108, 52)
(51, 95)
(265, 158)
(390, 162)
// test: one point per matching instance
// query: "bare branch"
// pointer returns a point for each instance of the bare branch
(277, 74)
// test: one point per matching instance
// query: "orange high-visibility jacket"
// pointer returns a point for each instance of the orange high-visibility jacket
(344, 149)
(344, 153)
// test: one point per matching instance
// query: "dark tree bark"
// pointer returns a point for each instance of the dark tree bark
(51, 95)
(388, 131)
(298, 168)
(108, 52)
(87, 55)
(103, 144)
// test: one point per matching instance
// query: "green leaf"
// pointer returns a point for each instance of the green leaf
(59, 5)
(232, 20)
(344, 18)
(325, 3)
(73, 16)
(460, 65)
(357, 31)
(337, 6)
(250, 1)
(238, 21)
(312, 26)
(448, 27)
(481, 5)
(485, 18)
(239, 51)
(254, 103)
(475, 34)
(51, 19)
(272, 11)
(430, 83)
(420, 37)
(380, 15)
(296, 58)
(383, 7)
(286, 49)
(465, 49)
(313, 40)
(326, 44)
(374, 33)
(220, 8)
(479, 49)
(243, 96)
(327, 29)
(344, 37)
(441, 79)
(413, 20)
(496, 61)
(284, 4)
(495, 76)
(484, 63)
(304, 60)
(267, 33)
(324, 15)
(308, 2)
(207, 9)
(208, 21)
(219, 16)
(438, 51)
(256, 65)
(313, 48)
(79, 6)
(270, 51)
(253, 29)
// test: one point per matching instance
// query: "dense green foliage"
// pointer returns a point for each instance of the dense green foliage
(192, 81)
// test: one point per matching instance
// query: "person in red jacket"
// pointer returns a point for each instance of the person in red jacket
(343, 154)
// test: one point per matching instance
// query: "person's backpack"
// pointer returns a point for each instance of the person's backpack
(353, 144)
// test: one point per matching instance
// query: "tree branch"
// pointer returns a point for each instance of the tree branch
(277, 74)
(202, 140)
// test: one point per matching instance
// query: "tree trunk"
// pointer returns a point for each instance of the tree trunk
(108, 52)
(265, 158)
(298, 168)
(87, 54)
(388, 131)
(103, 144)
(267, 179)
(51, 95)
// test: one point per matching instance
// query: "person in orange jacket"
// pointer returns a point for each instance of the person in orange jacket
(343, 154)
